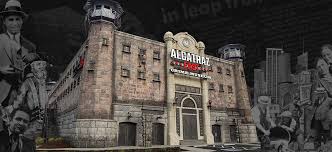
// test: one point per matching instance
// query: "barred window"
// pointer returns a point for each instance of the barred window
(126, 48)
(230, 89)
(211, 86)
(221, 88)
(105, 41)
(156, 55)
(228, 71)
(125, 72)
(219, 70)
(142, 51)
(141, 74)
(156, 77)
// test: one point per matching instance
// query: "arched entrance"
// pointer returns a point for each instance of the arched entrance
(189, 119)
(127, 134)
(157, 134)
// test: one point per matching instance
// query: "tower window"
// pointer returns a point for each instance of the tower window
(107, 7)
(105, 41)
(242, 74)
(98, 6)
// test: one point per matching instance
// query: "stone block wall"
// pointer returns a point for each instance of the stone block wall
(221, 99)
(248, 133)
(132, 88)
(94, 133)
(143, 117)
(65, 123)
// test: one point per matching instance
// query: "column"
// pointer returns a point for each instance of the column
(172, 136)
(208, 137)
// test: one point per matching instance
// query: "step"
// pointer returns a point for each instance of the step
(192, 142)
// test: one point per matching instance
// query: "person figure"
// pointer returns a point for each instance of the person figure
(262, 119)
(11, 139)
(296, 111)
(287, 122)
(33, 96)
(327, 55)
(317, 113)
(15, 51)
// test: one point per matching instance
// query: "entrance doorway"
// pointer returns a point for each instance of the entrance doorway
(157, 134)
(216, 131)
(189, 120)
(127, 134)
(233, 133)
(189, 127)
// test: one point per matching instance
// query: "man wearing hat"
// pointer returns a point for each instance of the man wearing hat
(320, 123)
(262, 119)
(15, 52)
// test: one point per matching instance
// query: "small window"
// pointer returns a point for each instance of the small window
(228, 71)
(210, 68)
(141, 74)
(156, 77)
(219, 70)
(230, 89)
(98, 6)
(78, 80)
(125, 72)
(105, 41)
(242, 74)
(211, 86)
(107, 7)
(156, 55)
(142, 56)
(126, 48)
(142, 52)
(221, 88)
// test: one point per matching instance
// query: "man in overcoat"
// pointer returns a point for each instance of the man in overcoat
(15, 51)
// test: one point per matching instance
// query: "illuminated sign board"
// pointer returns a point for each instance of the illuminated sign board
(190, 64)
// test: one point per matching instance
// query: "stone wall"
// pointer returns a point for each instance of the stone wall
(65, 124)
(248, 133)
(92, 133)
(132, 88)
(221, 98)
(143, 117)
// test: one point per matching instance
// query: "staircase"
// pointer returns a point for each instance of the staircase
(192, 142)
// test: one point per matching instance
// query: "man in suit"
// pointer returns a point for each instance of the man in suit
(11, 139)
(15, 52)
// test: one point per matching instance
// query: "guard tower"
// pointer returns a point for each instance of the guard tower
(97, 76)
(104, 10)
(234, 52)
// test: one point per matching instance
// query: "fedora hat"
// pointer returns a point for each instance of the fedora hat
(286, 114)
(13, 7)
(264, 100)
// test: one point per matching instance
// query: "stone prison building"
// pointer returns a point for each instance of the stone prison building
(125, 90)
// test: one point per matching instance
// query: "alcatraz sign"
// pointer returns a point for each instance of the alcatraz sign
(189, 63)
